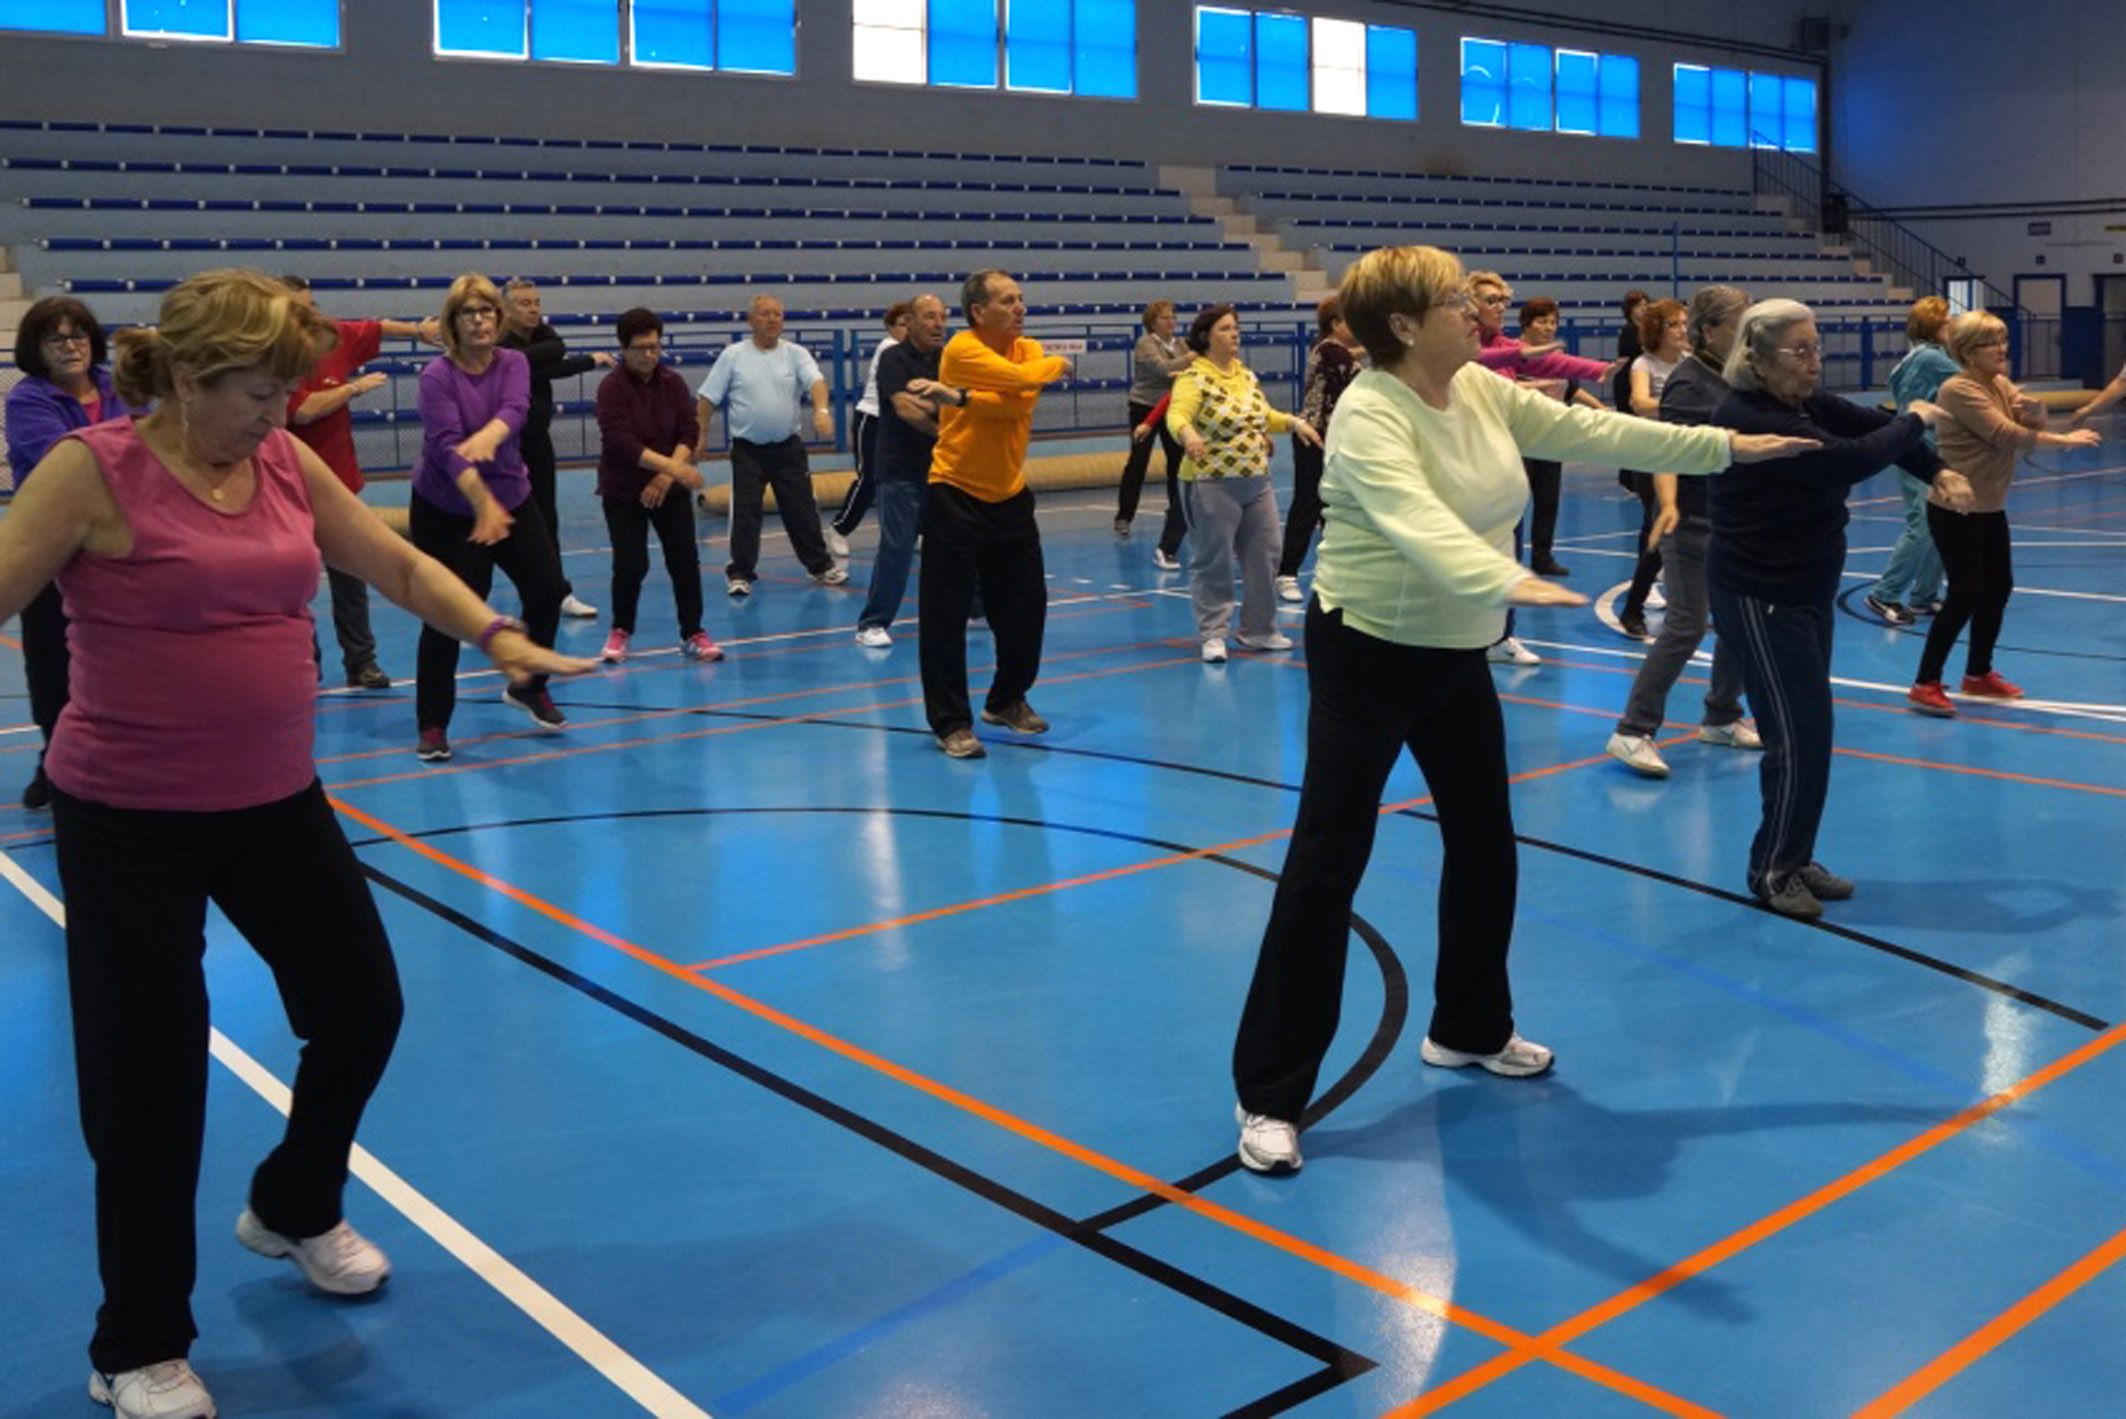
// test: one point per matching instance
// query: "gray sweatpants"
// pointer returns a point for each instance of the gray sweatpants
(1228, 516)
(1683, 626)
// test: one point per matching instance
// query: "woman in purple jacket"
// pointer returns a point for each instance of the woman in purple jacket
(60, 350)
(472, 507)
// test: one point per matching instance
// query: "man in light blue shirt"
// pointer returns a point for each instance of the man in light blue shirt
(761, 382)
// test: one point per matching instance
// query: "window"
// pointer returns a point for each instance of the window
(1532, 87)
(1288, 63)
(313, 24)
(1727, 108)
(1083, 47)
(56, 16)
(736, 36)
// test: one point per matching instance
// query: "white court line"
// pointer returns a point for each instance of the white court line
(629, 1375)
(1602, 600)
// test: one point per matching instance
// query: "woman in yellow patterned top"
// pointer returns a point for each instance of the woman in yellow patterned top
(1224, 424)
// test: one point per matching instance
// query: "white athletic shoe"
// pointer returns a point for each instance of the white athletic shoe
(873, 637)
(1288, 589)
(1267, 1145)
(574, 605)
(836, 543)
(1637, 753)
(1740, 735)
(1510, 651)
(341, 1262)
(1164, 560)
(1519, 1059)
(166, 1390)
(1214, 651)
(834, 575)
(1655, 601)
(1275, 640)
(738, 586)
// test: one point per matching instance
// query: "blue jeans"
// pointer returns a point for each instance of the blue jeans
(900, 520)
(1914, 573)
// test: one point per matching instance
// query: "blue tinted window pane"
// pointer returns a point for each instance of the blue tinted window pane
(756, 36)
(1765, 125)
(54, 16)
(963, 43)
(676, 32)
(1106, 42)
(1694, 104)
(1037, 45)
(203, 18)
(1528, 86)
(306, 22)
(1576, 92)
(1391, 72)
(1483, 82)
(1620, 97)
(480, 27)
(584, 30)
(1800, 116)
(1281, 62)
(1225, 56)
(1730, 109)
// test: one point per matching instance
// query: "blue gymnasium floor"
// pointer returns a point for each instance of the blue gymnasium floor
(759, 1060)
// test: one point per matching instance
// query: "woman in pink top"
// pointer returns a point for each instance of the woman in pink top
(187, 544)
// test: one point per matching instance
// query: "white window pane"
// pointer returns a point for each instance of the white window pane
(889, 56)
(907, 14)
(1339, 44)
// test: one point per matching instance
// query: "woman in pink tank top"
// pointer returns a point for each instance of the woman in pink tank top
(188, 545)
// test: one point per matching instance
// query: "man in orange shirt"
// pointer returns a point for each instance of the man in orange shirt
(978, 526)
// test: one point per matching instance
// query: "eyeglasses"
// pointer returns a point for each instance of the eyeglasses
(479, 312)
(1461, 302)
(60, 342)
(1495, 298)
(1807, 354)
(1990, 345)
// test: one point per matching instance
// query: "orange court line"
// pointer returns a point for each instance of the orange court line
(1975, 1346)
(10, 642)
(1975, 772)
(1704, 1260)
(1248, 1226)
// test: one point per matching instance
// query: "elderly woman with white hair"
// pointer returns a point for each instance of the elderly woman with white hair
(1988, 423)
(1423, 487)
(1778, 548)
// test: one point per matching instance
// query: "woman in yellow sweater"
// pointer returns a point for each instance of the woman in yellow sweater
(1224, 424)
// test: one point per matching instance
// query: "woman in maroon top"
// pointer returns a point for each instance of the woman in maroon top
(188, 546)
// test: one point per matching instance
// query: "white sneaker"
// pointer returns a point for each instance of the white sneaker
(1214, 651)
(737, 586)
(1637, 753)
(574, 605)
(341, 1262)
(1164, 560)
(832, 576)
(873, 637)
(1288, 589)
(1511, 652)
(1275, 640)
(836, 543)
(1655, 601)
(1742, 734)
(1267, 1145)
(167, 1390)
(1519, 1059)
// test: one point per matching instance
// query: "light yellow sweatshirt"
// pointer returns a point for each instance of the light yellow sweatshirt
(1231, 416)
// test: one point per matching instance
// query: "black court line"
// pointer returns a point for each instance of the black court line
(1860, 938)
(1874, 622)
(1338, 1364)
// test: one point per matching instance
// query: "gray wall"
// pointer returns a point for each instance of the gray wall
(386, 78)
(1972, 122)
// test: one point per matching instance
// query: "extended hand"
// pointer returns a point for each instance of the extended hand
(1766, 448)
(823, 422)
(1305, 432)
(1533, 591)
(519, 658)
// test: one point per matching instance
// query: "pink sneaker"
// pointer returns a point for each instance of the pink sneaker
(698, 646)
(615, 647)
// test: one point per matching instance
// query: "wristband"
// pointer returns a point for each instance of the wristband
(495, 628)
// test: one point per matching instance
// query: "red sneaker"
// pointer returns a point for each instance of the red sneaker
(698, 646)
(1928, 697)
(1991, 686)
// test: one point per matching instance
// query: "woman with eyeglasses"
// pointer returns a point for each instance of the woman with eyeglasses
(60, 350)
(1423, 486)
(1989, 423)
(1777, 551)
(472, 507)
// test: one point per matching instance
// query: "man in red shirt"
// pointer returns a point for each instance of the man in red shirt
(318, 414)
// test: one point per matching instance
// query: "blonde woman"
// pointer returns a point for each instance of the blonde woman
(1224, 425)
(1423, 490)
(1988, 423)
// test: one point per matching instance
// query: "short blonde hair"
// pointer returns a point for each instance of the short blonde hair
(215, 323)
(1763, 326)
(1969, 330)
(1490, 278)
(1156, 309)
(1929, 315)
(1396, 280)
(464, 291)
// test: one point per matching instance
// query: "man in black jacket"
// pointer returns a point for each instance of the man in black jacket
(524, 328)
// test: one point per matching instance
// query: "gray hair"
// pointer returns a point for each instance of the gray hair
(1764, 325)
(519, 283)
(1712, 305)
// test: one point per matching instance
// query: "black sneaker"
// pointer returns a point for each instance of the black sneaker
(538, 704)
(1824, 884)
(1891, 613)
(1633, 627)
(368, 677)
(433, 746)
(37, 793)
(1549, 566)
